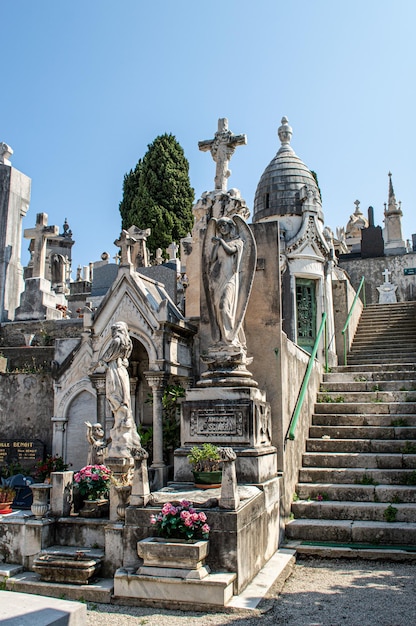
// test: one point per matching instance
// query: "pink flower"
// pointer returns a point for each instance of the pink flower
(194, 517)
(205, 528)
(188, 522)
(152, 519)
(185, 515)
(202, 517)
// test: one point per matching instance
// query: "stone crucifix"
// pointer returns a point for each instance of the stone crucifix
(222, 148)
(386, 274)
(125, 243)
(39, 236)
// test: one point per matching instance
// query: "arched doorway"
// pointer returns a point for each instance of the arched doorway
(140, 390)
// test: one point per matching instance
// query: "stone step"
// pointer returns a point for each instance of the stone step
(361, 475)
(99, 590)
(381, 408)
(379, 446)
(374, 395)
(334, 550)
(357, 493)
(362, 419)
(374, 360)
(374, 351)
(366, 338)
(374, 368)
(347, 531)
(346, 386)
(367, 460)
(351, 510)
(405, 433)
(398, 375)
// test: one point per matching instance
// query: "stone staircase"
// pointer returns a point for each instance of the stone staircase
(356, 494)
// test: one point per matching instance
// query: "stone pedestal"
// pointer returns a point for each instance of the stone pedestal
(61, 494)
(237, 417)
(38, 301)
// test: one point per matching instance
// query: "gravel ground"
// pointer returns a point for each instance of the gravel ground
(318, 593)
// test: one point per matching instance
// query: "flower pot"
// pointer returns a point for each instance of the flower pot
(40, 505)
(207, 480)
(177, 558)
(95, 508)
(5, 507)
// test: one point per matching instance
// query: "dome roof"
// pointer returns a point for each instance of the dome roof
(278, 192)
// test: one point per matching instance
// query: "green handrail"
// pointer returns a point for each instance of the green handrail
(354, 302)
(296, 413)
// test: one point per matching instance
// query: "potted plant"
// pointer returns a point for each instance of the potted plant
(205, 460)
(181, 543)
(93, 484)
(44, 468)
(7, 495)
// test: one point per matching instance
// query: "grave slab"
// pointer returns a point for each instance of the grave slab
(22, 609)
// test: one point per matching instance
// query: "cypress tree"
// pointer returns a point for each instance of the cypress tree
(158, 195)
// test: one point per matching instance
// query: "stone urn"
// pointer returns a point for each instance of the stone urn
(173, 558)
(123, 493)
(40, 504)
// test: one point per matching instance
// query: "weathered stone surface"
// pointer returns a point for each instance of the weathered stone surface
(29, 610)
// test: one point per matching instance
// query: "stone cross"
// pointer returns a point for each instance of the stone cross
(386, 275)
(38, 236)
(125, 243)
(140, 256)
(222, 148)
(172, 250)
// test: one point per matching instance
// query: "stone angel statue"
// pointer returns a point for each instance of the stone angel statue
(229, 261)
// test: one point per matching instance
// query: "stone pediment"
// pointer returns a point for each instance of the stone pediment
(309, 242)
(138, 300)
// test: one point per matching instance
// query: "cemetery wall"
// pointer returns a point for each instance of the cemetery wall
(372, 270)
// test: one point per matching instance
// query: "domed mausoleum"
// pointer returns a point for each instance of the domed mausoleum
(288, 193)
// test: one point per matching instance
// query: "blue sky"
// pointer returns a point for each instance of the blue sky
(88, 84)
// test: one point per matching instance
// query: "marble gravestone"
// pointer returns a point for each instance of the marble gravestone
(387, 291)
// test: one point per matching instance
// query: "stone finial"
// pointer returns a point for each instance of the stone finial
(5, 153)
(285, 134)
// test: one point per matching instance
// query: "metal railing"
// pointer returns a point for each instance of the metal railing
(302, 393)
(350, 312)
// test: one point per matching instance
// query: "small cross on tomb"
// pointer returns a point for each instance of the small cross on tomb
(172, 250)
(39, 236)
(386, 275)
(222, 148)
(125, 243)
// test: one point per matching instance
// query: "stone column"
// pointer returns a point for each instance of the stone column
(157, 381)
(98, 382)
(58, 437)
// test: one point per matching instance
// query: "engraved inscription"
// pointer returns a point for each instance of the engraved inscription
(216, 421)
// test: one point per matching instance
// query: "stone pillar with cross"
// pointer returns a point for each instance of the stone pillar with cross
(38, 301)
(38, 237)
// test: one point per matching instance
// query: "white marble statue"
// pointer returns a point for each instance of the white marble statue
(229, 263)
(125, 440)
